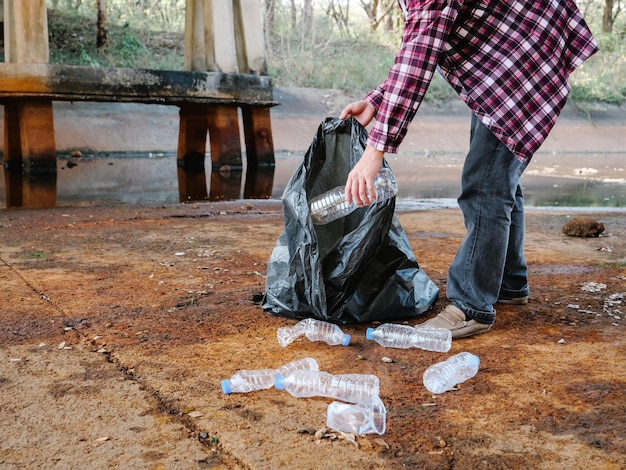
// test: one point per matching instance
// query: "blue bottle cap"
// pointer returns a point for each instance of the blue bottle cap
(226, 387)
(369, 333)
(346, 340)
(279, 383)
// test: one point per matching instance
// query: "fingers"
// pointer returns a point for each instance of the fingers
(360, 190)
(349, 110)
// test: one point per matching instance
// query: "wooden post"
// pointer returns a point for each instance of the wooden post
(249, 33)
(30, 149)
(227, 36)
(13, 166)
(226, 159)
(257, 127)
(225, 43)
(191, 153)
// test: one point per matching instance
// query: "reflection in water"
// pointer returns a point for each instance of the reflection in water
(152, 178)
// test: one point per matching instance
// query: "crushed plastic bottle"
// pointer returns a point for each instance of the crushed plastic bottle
(443, 376)
(352, 388)
(331, 205)
(314, 330)
(392, 335)
(358, 418)
(244, 381)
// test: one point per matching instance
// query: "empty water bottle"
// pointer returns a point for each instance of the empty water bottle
(443, 376)
(332, 205)
(392, 335)
(358, 418)
(314, 330)
(244, 381)
(353, 388)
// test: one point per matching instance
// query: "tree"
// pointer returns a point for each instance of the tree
(611, 10)
(103, 25)
(339, 14)
(377, 11)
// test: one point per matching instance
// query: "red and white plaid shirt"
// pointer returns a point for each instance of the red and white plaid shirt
(508, 60)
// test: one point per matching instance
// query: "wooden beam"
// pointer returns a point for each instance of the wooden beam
(74, 83)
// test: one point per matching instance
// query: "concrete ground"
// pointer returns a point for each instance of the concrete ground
(119, 322)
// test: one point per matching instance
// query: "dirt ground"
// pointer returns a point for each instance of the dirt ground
(119, 322)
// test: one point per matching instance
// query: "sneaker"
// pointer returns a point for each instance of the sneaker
(513, 300)
(452, 318)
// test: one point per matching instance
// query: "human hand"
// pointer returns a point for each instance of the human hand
(360, 183)
(363, 111)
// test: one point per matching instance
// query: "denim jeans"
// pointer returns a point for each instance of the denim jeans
(490, 261)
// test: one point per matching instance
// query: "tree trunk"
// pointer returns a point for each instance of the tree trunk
(307, 20)
(607, 17)
(268, 27)
(103, 25)
(294, 16)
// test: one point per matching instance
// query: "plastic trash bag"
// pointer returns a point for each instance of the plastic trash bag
(360, 268)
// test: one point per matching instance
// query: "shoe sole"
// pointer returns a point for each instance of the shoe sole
(520, 301)
(458, 334)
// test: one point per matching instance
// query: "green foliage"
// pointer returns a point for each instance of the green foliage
(352, 58)
(73, 42)
(603, 76)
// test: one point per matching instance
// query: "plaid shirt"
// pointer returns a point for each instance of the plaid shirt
(508, 60)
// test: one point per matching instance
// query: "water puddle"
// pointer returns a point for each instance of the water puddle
(429, 183)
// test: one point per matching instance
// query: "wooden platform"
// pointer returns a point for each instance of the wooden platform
(211, 102)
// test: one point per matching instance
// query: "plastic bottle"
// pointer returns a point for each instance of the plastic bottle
(331, 205)
(392, 335)
(360, 418)
(314, 330)
(244, 381)
(352, 388)
(443, 376)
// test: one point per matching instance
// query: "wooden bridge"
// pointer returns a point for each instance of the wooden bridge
(225, 72)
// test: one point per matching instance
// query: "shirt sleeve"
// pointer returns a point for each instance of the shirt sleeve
(398, 98)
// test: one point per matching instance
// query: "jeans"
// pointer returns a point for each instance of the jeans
(490, 262)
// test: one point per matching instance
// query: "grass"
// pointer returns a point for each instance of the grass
(355, 65)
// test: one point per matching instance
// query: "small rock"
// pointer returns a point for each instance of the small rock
(387, 360)
(583, 227)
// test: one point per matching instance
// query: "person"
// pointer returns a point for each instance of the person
(510, 62)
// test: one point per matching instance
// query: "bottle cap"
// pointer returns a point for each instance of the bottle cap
(346, 340)
(369, 333)
(226, 387)
(279, 383)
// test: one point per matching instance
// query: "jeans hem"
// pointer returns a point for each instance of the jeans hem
(471, 314)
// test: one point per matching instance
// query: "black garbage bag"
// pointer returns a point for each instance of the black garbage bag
(357, 269)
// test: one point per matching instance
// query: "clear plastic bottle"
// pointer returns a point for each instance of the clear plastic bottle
(357, 418)
(331, 205)
(244, 381)
(314, 330)
(391, 335)
(443, 376)
(352, 388)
